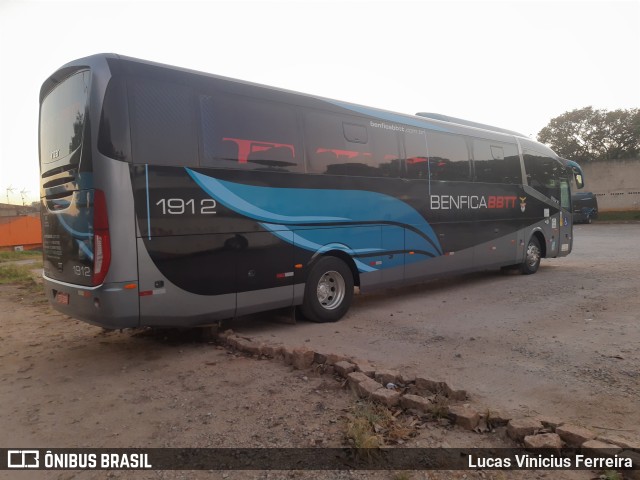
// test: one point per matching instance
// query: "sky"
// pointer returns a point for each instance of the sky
(514, 64)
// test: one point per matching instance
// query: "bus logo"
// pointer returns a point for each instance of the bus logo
(23, 459)
(523, 203)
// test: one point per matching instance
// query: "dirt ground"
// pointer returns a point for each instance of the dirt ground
(563, 342)
(66, 384)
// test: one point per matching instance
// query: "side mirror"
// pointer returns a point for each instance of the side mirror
(578, 178)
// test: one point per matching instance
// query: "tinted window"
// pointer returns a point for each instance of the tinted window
(340, 145)
(543, 173)
(113, 136)
(496, 162)
(163, 124)
(565, 194)
(415, 147)
(447, 155)
(238, 132)
(355, 133)
(62, 119)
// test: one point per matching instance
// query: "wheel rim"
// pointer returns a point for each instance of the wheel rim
(331, 289)
(533, 255)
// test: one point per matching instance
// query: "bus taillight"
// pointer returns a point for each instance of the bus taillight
(101, 241)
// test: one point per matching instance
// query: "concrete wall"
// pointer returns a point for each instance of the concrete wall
(616, 183)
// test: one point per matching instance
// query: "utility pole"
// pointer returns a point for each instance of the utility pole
(9, 190)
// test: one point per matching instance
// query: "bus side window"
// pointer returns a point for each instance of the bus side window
(439, 155)
(496, 162)
(163, 130)
(242, 133)
(343, 145)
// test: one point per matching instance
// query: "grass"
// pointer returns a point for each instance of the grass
(373, 425)
(12, 256)
(612, 475)
(16, 274)
(439, 407)
(402, 476)
(11, 273)
(23, 277)
(628, 216)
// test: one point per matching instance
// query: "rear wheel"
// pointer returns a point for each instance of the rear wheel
(329, 291)
(532, 257)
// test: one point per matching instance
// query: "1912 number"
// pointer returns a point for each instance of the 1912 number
(179, 206)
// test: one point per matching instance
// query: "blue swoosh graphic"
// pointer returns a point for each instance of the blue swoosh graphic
(354, 215)
(75, 233)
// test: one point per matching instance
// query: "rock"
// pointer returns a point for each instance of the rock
(519, 428)
(434, 386)
(301, 358)
(549, 421)
(332, 358)
(389, 398)
(602, 448)
(287, 354)
(320, 358)
(247, 346)
(575, 436)
(223, 336)
(232, 341)
(543, 440)
(271, 351)
(406, 378)
(367, 387)
(464, 416)
(366, 368)
(457, 395)
(497, 418)
(620, 441)
(344, 368)
(439, 387)
(385, 376)
(354, 379)
(415, 402)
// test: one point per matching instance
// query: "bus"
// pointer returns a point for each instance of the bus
(175, 198)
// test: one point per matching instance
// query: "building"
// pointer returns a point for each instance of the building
(21, 230)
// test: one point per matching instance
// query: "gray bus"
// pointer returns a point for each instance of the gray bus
(177, 198)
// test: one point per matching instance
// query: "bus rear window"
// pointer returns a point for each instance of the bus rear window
(62, 120)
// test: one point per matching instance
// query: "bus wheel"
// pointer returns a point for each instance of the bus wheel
(328, 292)
(532, 258)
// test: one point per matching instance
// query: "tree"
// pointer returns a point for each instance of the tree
(588, 135)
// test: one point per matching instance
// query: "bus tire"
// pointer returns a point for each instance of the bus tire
(328, 291)
(532, 257)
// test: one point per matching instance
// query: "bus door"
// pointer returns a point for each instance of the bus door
(565, 227)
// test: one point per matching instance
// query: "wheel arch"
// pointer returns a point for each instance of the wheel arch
(541, 241)
(346, 258)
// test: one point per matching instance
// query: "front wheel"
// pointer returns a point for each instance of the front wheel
(329, 291)
(532, 258)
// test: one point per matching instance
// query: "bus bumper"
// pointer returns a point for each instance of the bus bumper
(109, 305)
